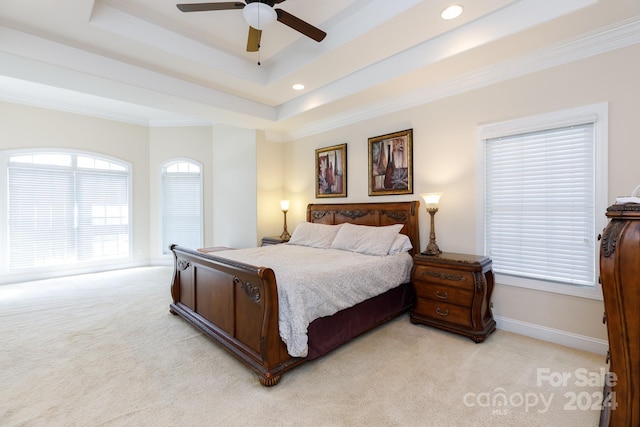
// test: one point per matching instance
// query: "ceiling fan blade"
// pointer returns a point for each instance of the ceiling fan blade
(203, 7)
(253, 41)
(301, 26)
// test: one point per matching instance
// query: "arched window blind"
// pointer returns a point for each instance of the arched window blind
(181, 204)
(65, 208)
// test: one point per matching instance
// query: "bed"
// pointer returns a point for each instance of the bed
(235, 303)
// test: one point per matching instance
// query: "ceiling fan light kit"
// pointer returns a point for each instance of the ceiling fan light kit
(259, 14)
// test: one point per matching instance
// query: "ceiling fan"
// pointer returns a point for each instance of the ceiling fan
(259, 14)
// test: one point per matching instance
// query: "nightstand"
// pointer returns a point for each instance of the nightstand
(271, 240)
(454, 293)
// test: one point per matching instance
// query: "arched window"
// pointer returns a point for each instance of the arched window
(181, 204)
(65, 208)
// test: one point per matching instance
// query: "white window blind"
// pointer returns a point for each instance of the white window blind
(102, 215)
(61, 214)
(540, 204)
(41, 217)
(182, 205)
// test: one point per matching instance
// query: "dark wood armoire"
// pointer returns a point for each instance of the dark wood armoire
(620, 277)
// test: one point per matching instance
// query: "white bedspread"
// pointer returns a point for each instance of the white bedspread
(314, 283)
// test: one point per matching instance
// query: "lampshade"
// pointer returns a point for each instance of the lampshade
(431, 199)
(284, 205)
(259, 15)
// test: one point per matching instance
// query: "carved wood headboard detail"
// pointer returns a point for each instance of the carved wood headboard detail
(376, 214)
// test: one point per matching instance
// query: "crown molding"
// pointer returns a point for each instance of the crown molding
(623, 34)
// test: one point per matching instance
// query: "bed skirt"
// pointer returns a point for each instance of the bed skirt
(327, 333)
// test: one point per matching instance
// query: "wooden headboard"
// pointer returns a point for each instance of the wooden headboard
(377, 214)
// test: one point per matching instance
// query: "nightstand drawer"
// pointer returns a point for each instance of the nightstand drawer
(448, 294)
(444, 276)
(444, 312)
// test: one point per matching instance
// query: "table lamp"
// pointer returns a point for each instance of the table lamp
(432, 200)
(284, 205)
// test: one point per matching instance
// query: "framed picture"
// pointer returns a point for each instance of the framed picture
(331, 171)
(391, 164)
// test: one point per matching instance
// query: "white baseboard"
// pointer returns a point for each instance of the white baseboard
(62, 271)
(556, 336)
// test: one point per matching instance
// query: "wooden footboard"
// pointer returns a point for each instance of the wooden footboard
(236, 305)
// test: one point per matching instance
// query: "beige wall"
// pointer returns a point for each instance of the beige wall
(234, 187)
(270, 169)
(445, 160)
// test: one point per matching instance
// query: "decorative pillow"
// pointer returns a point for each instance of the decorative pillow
(366, 239)
(401, 243)
(314, 235)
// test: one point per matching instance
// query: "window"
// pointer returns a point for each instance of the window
(181, 204)
(544, 199)
(65, 208)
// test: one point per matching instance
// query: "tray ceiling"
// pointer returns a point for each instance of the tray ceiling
(146, 62)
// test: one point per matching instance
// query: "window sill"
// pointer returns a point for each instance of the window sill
(557, 288)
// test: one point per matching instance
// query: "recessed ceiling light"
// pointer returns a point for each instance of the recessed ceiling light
(451, 12)
(298, 86)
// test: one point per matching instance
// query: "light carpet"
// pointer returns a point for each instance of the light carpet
(103, 350)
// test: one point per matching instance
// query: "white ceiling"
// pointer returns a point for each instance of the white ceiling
(144, 61)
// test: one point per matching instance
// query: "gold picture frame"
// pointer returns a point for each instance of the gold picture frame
(331, 171)
(391, 164)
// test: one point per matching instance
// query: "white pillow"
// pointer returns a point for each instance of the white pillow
(314, 235)
(401, 243)
(366, 239)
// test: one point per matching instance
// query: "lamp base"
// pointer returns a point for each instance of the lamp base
(432, 249)
(285, 236)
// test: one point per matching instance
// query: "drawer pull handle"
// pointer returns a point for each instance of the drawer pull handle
(442, 313)
(442, 296)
